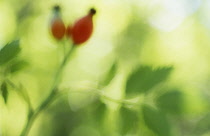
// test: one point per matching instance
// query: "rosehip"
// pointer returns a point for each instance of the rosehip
(57, 26)
(83, 28)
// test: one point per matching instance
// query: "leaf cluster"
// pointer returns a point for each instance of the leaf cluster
(10, 64)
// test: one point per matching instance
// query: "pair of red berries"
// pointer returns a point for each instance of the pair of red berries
(80, 32)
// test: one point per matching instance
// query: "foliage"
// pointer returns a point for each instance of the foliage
(171, 102)
(4, 91)
(9, 51)
(156, 121)
(145, 78)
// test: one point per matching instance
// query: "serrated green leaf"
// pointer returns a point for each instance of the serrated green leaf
(145, 78)
(9, 51)
(171, 102)
(17, 66)
(128, 121)
(110, 75)
(4, 91)
(156, 121)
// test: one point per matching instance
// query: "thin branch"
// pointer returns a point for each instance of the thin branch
(102, 95)
(50, 98)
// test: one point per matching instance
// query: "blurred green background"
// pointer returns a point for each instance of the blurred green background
(140, 37)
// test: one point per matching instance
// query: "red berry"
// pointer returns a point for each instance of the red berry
(69, 31)
(58, 28)
(83, 28)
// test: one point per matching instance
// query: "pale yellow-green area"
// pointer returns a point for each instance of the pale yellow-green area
(7, 22)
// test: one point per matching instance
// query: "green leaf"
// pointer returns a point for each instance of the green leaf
(4, 91)
(171, 102)
(98, 111)
(203, 125)
(17, 66)
(128, 121)
(145, 78)
(110, 75)
(156, 121)
(9, 51)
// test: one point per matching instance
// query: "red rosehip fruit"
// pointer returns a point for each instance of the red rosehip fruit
(57, 26)
(83, 28)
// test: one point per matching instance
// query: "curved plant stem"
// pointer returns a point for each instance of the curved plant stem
(119, 101)
(33, 115)
(103, 96)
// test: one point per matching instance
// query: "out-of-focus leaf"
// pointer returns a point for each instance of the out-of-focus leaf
(156, 121)
(4, 91)
(110, 75)
(9, 51)
(171, 102)
(128, 121)
(99, 111)
(202, 126)
(85, 130)
(63, 120)
(17, 66)
(145, 78)
(132, 39)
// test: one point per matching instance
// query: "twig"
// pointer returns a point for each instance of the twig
(33, 115)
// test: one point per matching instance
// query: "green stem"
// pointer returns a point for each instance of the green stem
(33, 115)
(60, 69)
(119, 101)
(100, 93)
